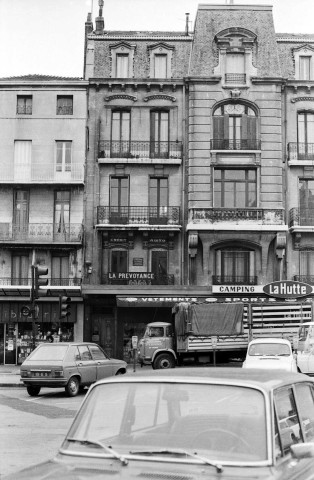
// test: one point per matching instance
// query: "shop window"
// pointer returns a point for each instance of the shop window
(24, 105)
(235, 188)
(63, 156)
(235, 127)
(65, 105)
(234, 266)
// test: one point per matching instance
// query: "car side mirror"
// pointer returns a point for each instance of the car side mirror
(302, 450)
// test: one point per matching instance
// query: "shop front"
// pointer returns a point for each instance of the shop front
(19, 333)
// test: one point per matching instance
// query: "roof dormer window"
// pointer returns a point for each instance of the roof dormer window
(122, 56)
(160, 60)
(303, 59)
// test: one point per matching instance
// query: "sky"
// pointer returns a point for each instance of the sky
(47, 36)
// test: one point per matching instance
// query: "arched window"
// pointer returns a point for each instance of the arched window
(234, 266)
(235, 127)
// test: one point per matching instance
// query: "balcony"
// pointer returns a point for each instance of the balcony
(41, 233)
(138, 215)
(52, 282)
(300, 151)
(140, 150)
(237, 216)
(235, 78)
(137, 278)
(40, 172)
(234, 280)
(241, 144)
(301, 217)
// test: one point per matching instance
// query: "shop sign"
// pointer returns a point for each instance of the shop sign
(288, 289)
(131, 276)
(237, 289)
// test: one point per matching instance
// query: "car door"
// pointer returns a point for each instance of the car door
(104, 366)
(86, 365)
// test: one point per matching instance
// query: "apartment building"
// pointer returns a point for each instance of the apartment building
(42, 175)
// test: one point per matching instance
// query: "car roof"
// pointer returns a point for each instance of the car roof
(55, 344)
(270, 340)
(158, 324)
(253, 377)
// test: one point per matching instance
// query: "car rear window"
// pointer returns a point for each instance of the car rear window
(49, 352)
(259, 349)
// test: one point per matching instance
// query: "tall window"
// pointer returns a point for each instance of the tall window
(235, 68)
(119, 261)
(305, 68)
(63, 156)
(305, 135)
(65, 105)
(235, 265)
(119, 199)
(60, 270)
(159, 134)
(62, 212)
(159, 266)
(122, 65)
(235, 127)
(306, 195)
(21, 211)
(24, 104)
(307, 266)
(158, 200)
(120, 133)
(22, 160)
(235, 188)
(160, 65)
(20, 269)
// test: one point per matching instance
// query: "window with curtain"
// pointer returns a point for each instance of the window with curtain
(305, 67)
(235, 127)
(119, 199)
(24, 104)
(62, 212)
(120, 133)
(159, 134)
(22, 160)
(160, 65)
(235, 68)
(306, 135)
(65, 105)
(20, 269)
(158, 199)
(235, 188)
(234, 265)
(63, 156)
(306, 199)
(122, 65)
(60, 270)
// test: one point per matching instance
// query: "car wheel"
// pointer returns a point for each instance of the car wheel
(33, 390)
(119, 372)
(73, 386)
(163, 361)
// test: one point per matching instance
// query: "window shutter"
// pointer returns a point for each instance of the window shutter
(218, 131)
(252, 132)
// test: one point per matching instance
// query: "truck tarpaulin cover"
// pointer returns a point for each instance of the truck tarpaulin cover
(209, 319)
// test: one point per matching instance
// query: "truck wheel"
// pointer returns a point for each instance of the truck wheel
(165, 360)
(33, 390)
(73, 386)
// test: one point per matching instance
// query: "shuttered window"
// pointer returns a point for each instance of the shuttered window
(235, 128)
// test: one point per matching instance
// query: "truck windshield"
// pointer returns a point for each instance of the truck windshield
(154, 332)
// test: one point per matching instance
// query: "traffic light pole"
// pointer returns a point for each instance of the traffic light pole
(37, 281)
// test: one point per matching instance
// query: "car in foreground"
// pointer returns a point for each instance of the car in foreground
(72, 365)
(188, 424)
(270, 353)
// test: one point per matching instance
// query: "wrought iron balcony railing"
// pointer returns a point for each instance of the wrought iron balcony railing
(139, 149)
(41, 232)
(234, 280)
(24, 110)
(304, 278)
(235, 78)
(56, 282)
(239, 144)
(152, 279)
(139, 215)
(301, 217)
(301, 151)
(65, 110)
(40, 172)
(258, 216)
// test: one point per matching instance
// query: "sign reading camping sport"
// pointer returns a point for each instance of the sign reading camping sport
(287, 289)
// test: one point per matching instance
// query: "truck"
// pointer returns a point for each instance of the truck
(200, 330)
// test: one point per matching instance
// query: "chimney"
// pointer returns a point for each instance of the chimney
(187, 24)
(99, 21)
(88, 24)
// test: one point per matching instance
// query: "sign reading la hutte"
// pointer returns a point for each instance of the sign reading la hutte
(288, 289)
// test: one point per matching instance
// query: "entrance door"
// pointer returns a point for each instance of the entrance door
(160, 267)
(103, 331)
(10, 344)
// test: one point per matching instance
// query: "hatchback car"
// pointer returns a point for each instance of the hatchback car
(270, 353)
(190, 423)
(69, 365)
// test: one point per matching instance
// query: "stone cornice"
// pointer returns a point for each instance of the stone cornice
(183, 38)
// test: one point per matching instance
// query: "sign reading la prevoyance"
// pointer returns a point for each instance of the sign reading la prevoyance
(288, 289)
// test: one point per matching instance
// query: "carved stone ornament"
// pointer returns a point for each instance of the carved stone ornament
(121, 96)
(235, 93)
(302, 99)
(159, 97)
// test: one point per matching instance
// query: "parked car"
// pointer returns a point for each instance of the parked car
(270, 353)
(190, 423)
(69, 365)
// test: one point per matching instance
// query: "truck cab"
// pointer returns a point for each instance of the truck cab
(157, 346)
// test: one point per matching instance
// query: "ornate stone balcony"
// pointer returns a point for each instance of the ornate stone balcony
(41, 233)
(138, 215)
(139, 149)
(256, 216)
(301, 151)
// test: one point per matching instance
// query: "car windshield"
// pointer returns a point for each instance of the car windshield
(260, 349)
(49, 352)
(215, 421)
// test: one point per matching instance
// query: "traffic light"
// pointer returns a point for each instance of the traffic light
(64, 307)
(37, 330)
(38, 272)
